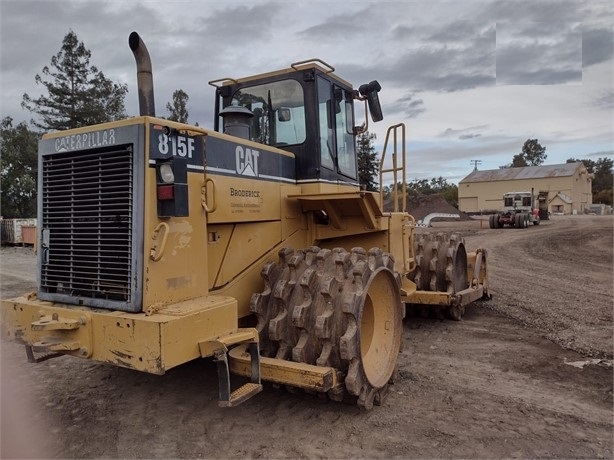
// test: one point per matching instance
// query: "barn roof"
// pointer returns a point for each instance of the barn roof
(563, 197)
(526, 172)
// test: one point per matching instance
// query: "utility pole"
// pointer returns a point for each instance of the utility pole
(475, 164)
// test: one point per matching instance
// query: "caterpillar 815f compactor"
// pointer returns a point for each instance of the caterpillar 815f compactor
(253, 244)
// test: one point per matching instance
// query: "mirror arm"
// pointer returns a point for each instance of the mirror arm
(365, 126)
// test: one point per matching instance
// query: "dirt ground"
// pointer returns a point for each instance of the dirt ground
(526, 375)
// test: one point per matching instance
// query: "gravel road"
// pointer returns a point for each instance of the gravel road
(525, 375)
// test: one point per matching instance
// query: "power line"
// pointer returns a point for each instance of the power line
(475, 164)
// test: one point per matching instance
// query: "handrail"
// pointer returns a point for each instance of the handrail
(222, 80)
(203, 196)
(395, 169)
(330, 69)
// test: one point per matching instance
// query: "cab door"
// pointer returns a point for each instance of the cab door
(336, 123)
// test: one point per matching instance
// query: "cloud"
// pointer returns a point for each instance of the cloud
(453, 32)
(602, 154)
(532, 11)
(437, 61)
(341, 25)
(463, 134)
(597, 46)
(444, 62)
(21, 25)
(468, 136)
(605, 100)
(532, 53)
(411, 106)
(241, 25)
(404, 32)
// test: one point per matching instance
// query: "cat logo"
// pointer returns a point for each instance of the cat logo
(247, 161)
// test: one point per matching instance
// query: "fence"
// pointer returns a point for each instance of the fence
(18, 231)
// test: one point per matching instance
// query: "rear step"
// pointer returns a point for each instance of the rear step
(246, 391)
(219, 349)
(241, 394)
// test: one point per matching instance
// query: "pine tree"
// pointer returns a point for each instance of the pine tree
(78, 93)
(368, 163)
(178, 108)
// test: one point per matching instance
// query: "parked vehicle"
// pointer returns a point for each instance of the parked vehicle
(519, 211)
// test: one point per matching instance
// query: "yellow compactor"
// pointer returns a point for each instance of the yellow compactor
(252, 243)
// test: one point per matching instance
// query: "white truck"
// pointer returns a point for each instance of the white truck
(519, 211)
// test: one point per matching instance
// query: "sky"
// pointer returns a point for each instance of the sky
(472, 80)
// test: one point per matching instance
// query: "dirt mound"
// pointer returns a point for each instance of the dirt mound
(422, 205)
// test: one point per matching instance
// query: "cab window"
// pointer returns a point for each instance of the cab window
(279, 112)
(344, 123)
(327, 139)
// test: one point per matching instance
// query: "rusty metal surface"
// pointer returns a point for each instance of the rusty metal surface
(142, 342)
(285, 372)
(527, 172)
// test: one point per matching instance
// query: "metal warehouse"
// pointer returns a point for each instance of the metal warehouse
(568, 187)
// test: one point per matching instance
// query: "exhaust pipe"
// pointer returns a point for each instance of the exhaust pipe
(144, 75)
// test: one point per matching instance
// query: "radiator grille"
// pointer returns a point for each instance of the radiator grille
(87, 220)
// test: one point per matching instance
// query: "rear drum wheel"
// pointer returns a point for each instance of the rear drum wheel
(441, 266)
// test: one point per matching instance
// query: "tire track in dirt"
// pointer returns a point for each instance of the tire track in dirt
(489, 386)
(550, 277)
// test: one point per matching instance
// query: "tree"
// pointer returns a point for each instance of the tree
(18, 169)
(178, 108)
(368, 163)
(533, 154)
(439, 186)
(419, 187)
(604, 197)
(78, 93)
(450, 194)
(602, 182)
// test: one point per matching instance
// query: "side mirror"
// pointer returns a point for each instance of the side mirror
(369, 91)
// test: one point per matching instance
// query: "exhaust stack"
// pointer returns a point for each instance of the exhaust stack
(144, 75)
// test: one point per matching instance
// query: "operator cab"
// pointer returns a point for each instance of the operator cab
(306, 110)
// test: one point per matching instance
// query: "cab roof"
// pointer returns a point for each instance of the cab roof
(313, 63)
